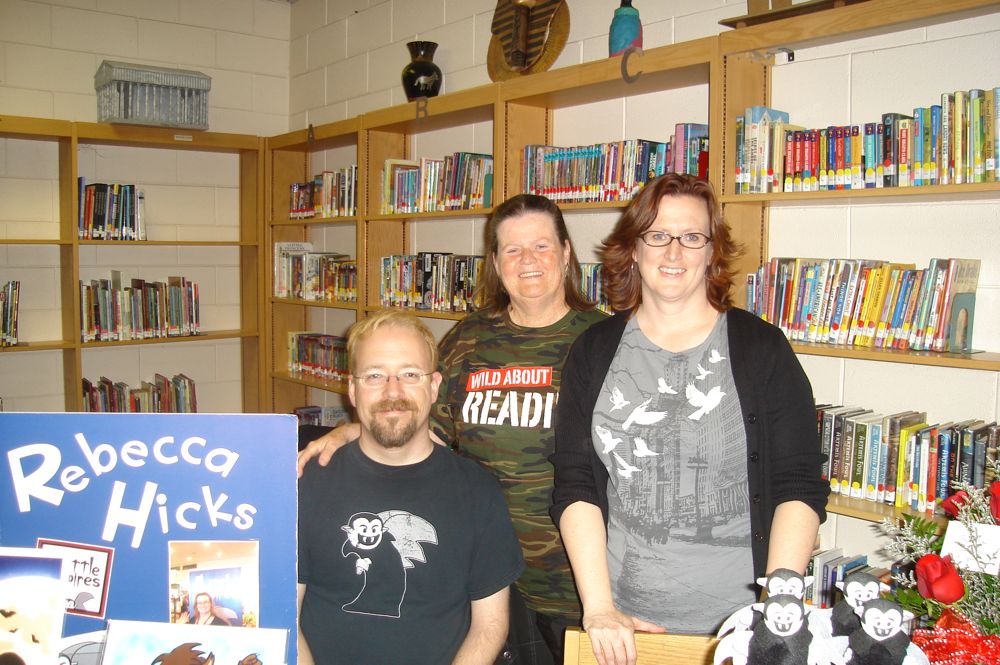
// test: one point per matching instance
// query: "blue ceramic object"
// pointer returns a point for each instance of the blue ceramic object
(626, 29)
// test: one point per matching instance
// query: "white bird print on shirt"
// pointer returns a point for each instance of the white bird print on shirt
(641, 416)
(609, 441)
(625, 469)
(715, 357)
(661, 385)
(642, 448)
(705, 401)
(618, 400)
(702, 372)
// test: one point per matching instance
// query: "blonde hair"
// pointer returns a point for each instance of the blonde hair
(396, 318)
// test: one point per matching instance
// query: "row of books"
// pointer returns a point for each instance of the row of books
(954, 142)
(831, 566)
(327, 416)
(592, 285)
(328, 194)
(869, 303)
(459, 181)
(8, 312)
(112, 311)
(319, 355)
(110, 211)
(612, 171)
(902, 459)
(436, 281)
(161, 395)
(301, 273)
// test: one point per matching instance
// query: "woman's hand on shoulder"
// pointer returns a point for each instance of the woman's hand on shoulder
(612, 635)
(325, 446)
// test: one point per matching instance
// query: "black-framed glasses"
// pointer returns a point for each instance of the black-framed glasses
(662, 239)
(378, 379)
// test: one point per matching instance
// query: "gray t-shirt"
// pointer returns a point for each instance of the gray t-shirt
(669, 429)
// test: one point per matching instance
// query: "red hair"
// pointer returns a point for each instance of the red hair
(622, 282)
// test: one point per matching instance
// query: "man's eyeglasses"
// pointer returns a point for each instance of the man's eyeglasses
(379, 379)
(662, 239)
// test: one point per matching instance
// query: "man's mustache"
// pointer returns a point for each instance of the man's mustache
(394, 405)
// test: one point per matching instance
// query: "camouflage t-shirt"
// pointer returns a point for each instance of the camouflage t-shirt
(497, 404)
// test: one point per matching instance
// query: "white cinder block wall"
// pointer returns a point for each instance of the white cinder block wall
(49, 52)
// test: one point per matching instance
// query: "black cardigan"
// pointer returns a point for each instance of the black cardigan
(783, 451)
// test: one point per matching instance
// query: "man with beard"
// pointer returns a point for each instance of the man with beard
(406, 550)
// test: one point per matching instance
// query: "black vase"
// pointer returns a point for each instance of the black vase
(421, 78)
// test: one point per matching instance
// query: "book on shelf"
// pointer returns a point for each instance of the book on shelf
(867, 431)
(285, 255)
(9, 296)
(959, 305)
(820, 562)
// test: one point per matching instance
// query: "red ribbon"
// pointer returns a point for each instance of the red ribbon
(956, 641)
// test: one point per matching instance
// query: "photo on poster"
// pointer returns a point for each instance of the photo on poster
(32, 597)
(146, 643)
(87, 572)
(214, 582)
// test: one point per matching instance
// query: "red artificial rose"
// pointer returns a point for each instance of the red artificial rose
(951, 505)
(995, 500)
(938, 579)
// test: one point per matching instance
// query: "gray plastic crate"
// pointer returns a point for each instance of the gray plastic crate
(145, 95)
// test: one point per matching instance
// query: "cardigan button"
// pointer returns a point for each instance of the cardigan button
(754, 457)
(752, 418)
(758, 536)
(755, 498)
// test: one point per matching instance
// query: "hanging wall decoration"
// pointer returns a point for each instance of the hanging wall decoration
(528, 36)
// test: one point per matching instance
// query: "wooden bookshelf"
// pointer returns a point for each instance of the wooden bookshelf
(70, 137)
(736, 69)
(296, 157)
(871, 511)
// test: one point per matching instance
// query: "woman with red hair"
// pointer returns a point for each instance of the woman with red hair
(687, 461)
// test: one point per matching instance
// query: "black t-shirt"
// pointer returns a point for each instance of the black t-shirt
(393, 556)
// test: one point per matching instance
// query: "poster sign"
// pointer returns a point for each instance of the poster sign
(152, 510)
